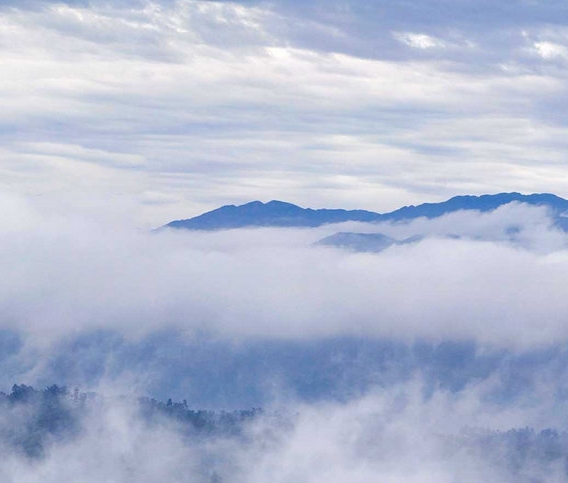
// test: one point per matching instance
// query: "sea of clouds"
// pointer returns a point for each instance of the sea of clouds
(410, 365)
(496, 278)
(404, 365)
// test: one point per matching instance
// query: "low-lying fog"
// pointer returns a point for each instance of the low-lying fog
(411, 364)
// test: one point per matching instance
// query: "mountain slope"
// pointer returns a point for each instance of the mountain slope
(281, 214)
(483, 203)
(273, 213)
(363, 242)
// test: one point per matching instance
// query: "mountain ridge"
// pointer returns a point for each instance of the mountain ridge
(277, 213)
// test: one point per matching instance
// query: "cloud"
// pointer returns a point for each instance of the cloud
(253, 316)
(207, 102)
(397, 434)
(368, 364)
(419, 41)
(549, 50)
(65, 274)
(135, 113)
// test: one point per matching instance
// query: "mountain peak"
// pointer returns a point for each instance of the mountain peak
(272, 213)
(283, 214)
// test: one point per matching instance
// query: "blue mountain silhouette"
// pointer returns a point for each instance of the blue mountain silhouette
(282, 214)
(364, 242)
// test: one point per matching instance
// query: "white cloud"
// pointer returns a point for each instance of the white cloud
(549, 50)
(161, 110)
(395, 435)
(241, 103)
(63, 273)
(419, 41)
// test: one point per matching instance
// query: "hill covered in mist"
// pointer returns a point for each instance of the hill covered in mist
(447, 330)
(58, 432)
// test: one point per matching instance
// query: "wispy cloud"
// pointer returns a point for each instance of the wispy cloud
(281, 97)
(419, 41)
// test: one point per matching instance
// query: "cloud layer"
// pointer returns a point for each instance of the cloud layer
(499, 282)
(117, 114)
(89, 300)
(396, 435)
(181, 106)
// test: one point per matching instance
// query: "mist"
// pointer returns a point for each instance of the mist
(394, 435)
(90, 298)
(470, 277)
(438, 360)
(134, 353)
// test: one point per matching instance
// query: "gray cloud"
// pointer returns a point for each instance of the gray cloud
(360, 105)
(117, 114)
(397, 434)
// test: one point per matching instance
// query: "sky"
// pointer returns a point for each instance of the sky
(120, 116)
(157, 110)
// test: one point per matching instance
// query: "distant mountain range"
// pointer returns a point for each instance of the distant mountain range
(281, 214)
(364, 242)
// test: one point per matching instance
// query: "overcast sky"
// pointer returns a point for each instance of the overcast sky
(131, 113)
(163, 109)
